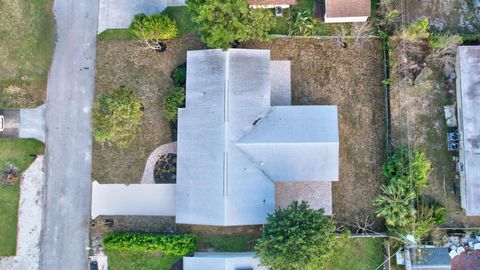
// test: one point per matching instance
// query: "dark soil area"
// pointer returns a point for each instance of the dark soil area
(325, 74)
(165, 171)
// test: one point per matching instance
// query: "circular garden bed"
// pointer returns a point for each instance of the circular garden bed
(165, 171)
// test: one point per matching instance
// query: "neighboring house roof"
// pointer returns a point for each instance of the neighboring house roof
(468, 103)
(271, 2)
(233, 145)
(347, 8)
(222, 261)
(430, 259)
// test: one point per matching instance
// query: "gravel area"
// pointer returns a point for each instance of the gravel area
(29, 219)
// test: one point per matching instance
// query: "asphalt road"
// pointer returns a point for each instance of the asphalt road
(65, 237)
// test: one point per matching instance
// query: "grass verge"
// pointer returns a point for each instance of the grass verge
(225, 243)
(129, 260)
(26, 48)
(182, 17)
(17, 152)
(358, 253)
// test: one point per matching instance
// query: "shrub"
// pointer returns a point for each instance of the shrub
(116, 116)
(179, 75)
(178, 245)
(175, 100)
(417, 30)
(397, 170)
(154, 27)
(303, 24)
(297, 237)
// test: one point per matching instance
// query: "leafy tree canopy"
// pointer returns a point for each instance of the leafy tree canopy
(219, 23)
(116, 116)
(297, 237)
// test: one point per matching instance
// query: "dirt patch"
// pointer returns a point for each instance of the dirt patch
(444, 15)
(148, 74)
(325, 74)
(418, 120)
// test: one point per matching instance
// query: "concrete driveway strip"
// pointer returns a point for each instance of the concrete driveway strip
(64, 238)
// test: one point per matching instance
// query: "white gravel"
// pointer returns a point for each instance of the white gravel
(29, 220)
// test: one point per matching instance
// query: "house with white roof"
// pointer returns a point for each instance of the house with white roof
(239, 136)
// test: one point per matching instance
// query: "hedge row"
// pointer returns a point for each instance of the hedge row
(178, 245)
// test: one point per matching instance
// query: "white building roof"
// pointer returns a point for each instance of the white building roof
(222, 261)
(233, 145)
(133, 200)
(469, 124)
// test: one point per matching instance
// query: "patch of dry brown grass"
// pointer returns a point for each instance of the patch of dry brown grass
(148, 74)
(324, 74)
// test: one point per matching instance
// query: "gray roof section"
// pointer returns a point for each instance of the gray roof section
(469, 76)
(219, 178)
(431, 258)
(281, 92)
(295, 143)
(222, 261)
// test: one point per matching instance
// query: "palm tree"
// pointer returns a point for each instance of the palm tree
(394, 204)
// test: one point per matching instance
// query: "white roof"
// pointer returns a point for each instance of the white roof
(222, 261)
(233, 145)
(133, 200)
(469, 76)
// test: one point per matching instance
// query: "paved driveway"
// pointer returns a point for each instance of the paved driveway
(11, 123)
(116, 14)
(64, 238)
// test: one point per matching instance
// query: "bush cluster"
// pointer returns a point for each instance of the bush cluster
(154, 27)
(179, 76)
(178, 245)
(401, 202)
(175, 100)
(116, 116)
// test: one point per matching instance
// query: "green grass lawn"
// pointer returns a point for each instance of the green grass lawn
(179, 14)
(358, 254)
(182, 17)
(224, 243)
(282, 24)
(123, 260)
(26, 47)
(15, 151)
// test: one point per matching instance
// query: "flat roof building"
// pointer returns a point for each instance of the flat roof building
(468, 103)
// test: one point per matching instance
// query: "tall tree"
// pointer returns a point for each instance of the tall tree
(219, 23)
(297, 237)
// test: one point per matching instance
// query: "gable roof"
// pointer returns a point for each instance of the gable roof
(228, 93)
(290, 139)
(347, 8)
